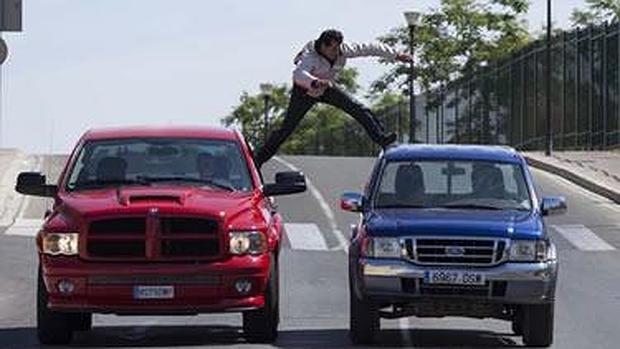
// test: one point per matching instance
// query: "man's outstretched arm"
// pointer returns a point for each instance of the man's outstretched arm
(373, 50)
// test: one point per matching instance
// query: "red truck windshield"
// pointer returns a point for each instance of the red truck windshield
(214, 163)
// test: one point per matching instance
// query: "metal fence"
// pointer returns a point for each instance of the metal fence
(505, 102)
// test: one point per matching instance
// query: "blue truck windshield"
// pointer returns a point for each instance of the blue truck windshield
(453, 185)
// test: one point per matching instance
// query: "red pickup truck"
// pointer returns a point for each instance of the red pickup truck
(153, 221)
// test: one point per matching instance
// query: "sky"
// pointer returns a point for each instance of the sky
(82, 64)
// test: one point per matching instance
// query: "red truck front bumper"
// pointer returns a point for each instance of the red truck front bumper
(198, 288)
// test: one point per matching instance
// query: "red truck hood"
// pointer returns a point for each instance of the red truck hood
(172, 200)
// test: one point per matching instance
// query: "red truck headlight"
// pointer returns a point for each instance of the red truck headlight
(247, 242)
(56, 244)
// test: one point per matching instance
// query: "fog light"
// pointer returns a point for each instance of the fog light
(544, 274)
(66, 287)
(243, 286)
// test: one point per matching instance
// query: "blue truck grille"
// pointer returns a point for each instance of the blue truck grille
(455, 251)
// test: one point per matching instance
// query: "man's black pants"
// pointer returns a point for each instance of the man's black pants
(300, 103)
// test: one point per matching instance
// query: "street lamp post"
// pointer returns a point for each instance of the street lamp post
(549, 136)
(11, 15)
(266, 90)
(413, 20)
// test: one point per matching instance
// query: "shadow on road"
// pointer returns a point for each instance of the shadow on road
(134, 336)
(178, 336)
(397, 338)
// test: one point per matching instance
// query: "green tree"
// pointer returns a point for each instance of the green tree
(596, 12)
(249, 114)
(456, 39)
(391, 108)
(386, 99)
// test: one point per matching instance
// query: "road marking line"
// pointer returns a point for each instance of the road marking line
(10, 200)
(305, 236)
(604, 202)
(38, 167)
(343, 242)
(583, 238)
(20, 226)
(403, 324)
(25, 227)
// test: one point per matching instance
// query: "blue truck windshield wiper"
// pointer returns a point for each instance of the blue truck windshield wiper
(471, 207)
(401, 206)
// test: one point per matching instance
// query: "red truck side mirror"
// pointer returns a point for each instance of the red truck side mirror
(286, 183)
(33, 183)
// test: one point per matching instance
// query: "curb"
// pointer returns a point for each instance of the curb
(575, 178)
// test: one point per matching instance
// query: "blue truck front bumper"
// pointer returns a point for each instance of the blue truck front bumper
(397, 280)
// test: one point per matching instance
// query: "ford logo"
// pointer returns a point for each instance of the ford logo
(455, 251)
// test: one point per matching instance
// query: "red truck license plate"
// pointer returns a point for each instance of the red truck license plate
(153, 292)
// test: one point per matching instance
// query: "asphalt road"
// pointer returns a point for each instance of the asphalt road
(314, 288)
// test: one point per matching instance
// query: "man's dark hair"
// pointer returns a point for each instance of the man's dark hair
(329, 36)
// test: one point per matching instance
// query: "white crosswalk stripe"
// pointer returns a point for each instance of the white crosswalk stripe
(329, 213)
(302, 236)
(25, 227)
(583, 238)
(305, 236)
(308, 236)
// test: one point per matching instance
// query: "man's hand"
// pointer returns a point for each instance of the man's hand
(404, 57)
(321, 84)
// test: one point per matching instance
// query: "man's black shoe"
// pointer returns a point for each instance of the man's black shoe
(388, 139)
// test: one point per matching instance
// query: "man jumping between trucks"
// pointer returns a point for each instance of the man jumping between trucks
(317, 67)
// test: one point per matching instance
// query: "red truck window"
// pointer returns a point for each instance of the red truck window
(216, 163)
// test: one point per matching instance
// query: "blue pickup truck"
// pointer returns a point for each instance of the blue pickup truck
(449, 230)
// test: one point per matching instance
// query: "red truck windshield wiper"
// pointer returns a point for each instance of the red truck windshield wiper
(208, 182)
(96, 184)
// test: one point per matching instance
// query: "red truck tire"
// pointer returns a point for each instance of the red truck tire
(261, 326)
(52, 327)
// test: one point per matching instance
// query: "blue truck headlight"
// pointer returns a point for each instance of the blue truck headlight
(531, 251)
(247, 242)
(56, 244)
(383, 248)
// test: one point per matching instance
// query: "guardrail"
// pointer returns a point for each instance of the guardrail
(505, 102)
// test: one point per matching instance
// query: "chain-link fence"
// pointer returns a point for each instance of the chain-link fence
(505, 102)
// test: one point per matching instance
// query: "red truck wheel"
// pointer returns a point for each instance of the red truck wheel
(364, 320)
(82, 322)
(52, 327)
(261, 326)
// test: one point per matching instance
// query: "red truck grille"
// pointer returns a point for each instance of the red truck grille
(134, 249)
(153, 238)
(118, 226)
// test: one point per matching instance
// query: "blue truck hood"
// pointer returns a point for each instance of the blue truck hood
(408, 222)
